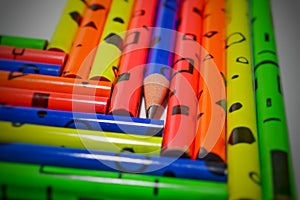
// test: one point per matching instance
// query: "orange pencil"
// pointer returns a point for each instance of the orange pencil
(180, 127)
(87, 38)
(126, 96)
(55, 84)
(210, 140)
(33, 55)
(53, 100)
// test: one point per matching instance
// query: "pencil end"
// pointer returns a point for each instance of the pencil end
(152, 111)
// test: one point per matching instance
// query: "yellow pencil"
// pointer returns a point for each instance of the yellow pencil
(67, 26)
(242, 144)
(105, 65)
(76, 138)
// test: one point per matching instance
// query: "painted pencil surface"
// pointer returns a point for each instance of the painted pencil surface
(42, 182)
(126, 96)
(158, 70)
(114, 162)
(210, 141)
(67, 26)
(242, 139)
(83, 48)
(106, 62)
(180, 128)
(276, 165)
(23, 42)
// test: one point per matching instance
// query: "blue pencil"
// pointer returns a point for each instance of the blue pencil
(158, 70)
(79, 120)
(108, 161)
(30, 67)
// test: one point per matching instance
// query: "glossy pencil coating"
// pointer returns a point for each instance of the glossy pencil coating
(30, 67)
(33, 55)
(53, 100)
(23, 42)
(242, 139)
(67, 26)
(81, 120)
(210, 141)
(158, 70)
(106, 62)
(54, 84)
(85, 43)
(78, 138)
(41, 182)
(126, 96)
(116, 162)
(276, 165)
(180, 128)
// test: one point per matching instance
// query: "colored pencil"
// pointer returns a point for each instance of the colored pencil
(242, 139)
(158, 70)
(23, 42)
(277, 177)
(106, 62)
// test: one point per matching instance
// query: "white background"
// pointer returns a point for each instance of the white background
(38, 18)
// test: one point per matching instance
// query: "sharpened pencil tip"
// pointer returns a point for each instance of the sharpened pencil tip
(152, 110)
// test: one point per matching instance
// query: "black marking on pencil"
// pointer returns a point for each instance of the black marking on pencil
(172, 93)
(40, 100)
(200, 94)
(0, 39)
(95, 7)
(255, 84)
(17, 124)
(224, 78)
(222, 103)
(169, 173)
(241, 135)
(42, 113)
(165, 4)
(12, 76)
(189, 36)
(120, 175)
(49, 193)
(78, 45)
(280, 174)
(123, 77)
(237, 37)
(200, 115)
(265, 62)
(91, 24)
(234, 76)
(4, 195)
(29, 66)
(235, 107)
(208, 57)
(76, 17)
(119, 20)
(76, 121)
(155, 189)
(18, 52)
(138, 13)
(267, 37)
(215, 165)
(242, 60)
(254, 176)
(84, 83)
(145, 27)
(269, 102)
(267, 51)
(180, 109)
(253, 20)
(278, 84)
(115, 40)
(272, 119)
(206, 16)
(196, 10)
(127, 149)
(210, 34)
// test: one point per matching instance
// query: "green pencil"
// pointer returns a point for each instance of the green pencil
(28, 181)
(276, 167)
(23, 42)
